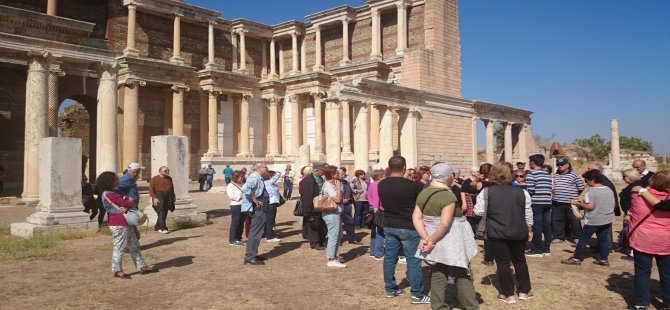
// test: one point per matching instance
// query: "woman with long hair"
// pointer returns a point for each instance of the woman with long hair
(123, 235)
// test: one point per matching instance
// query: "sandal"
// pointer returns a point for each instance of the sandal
(122, 275)
(148, 269)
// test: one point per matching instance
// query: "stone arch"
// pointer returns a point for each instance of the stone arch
(77, 118)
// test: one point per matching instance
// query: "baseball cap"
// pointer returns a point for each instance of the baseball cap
(562, 162)
(442, 171)
(135, 166)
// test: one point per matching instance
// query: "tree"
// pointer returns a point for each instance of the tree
(598, 146)
(635, 144)
(499, 134)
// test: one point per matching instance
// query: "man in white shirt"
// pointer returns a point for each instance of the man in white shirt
(641, 167)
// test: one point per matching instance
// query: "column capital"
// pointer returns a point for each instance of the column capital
(247, 96)
(402, 5)
(107, 70)
(177, 88)
(132, 6)
(318, 94)
(214, 92)
(212, 23)
(333, 103)
(292, 97)
(54, 67)
(374, 12)
(240, 31)
(132, 83)
(295, 33)
(346, 20)
(178, 15)
(273, 101)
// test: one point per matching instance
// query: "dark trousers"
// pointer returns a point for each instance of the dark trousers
(270, 217)
(315, 229)
(643, 262)
(361, 209)
(465, 289)
(255, 233)
(541, 226)
(288, 189)
(161, 219)
(101, 214)
(348, 223)
(474, 222)
(505, 251)
(488, 252)
(602, 232)
(227, 180)
(201, 180)
(565, 225)
(237, 219)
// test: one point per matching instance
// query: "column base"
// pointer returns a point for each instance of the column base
(294, 72)
(182, 213)
(41, 223)
(272, 155)
(273, 76)
(212, 154)
(211, 66)
(244, 71)
(244, 154)
(177, 60)
(347, 155)
(344, 62)
(131, 52)
(318, 68)
(400, 52)
(376, 57)
(30, 201)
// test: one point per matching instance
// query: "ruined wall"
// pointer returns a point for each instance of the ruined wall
(451, 145)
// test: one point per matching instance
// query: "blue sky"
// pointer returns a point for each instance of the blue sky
(576, 64)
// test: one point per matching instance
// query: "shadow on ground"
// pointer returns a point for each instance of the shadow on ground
(283, 248)
(217, 213)
(176, 262)
(623, 284)
(167, 241)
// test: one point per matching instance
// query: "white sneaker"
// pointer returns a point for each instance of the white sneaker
(335, 264)
(402, 260)
(163, 231)
(273, 240)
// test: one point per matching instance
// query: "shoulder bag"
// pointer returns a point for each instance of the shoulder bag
(323, 203)
(297, 211)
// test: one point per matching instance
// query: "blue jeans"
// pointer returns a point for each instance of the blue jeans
(409, 240)
(377, 241)
(270, 217)
(334, 225)
(643, 273)
(210, 178)
(602, 232)
(361, 208)
(348, 223)
(541, 226)
(237, 218)
(288, 189)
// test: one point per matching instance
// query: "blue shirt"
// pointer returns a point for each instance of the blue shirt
(128, 187)
(210, 171)
(254, 186)
(539, 184)
(227, 172)
(567, 186)
(271, 187)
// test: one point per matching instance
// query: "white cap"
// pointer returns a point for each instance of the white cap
(135, 166)
(442, 171)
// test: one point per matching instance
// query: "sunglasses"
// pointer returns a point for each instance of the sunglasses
(520, 176)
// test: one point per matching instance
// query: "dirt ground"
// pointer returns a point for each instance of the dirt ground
(199, 270)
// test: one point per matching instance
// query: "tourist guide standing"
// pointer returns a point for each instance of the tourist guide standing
(256, 197)
(161, 190)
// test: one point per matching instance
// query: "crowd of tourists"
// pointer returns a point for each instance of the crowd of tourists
(429, 215)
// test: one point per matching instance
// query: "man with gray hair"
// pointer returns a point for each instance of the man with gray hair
(641, 167)
(255, 198)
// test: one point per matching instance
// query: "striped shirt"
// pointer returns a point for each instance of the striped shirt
(539, 185)
(567, 186)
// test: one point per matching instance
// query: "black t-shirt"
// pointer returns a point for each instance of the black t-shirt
(398, 197)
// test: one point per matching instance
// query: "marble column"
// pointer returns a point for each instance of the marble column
(361, 142)
(54, 73)
(616, 153)
(204, 121)
(281, 59)
(345, 42)
(273, 150)
(333, 131)
(509, 150)
(294, 53)
(386, 137)
(243, 51)
(402, 28)
(374, 129)
(273, 60)
(523, 152)
(264, 60)
(178, 109)
(107, 158)
(475, 154)
(296, 121)
(131, 122)
(130, 49)
(233, 41)
(408, 132)
(36, 126)
(176, 41)
(211, 65)
(303, 55)
(346, 129)
(52, 6)
(213, 135)
(319, 64)
(376, 53)
(490, 155)
(318, 127)
(244, 150)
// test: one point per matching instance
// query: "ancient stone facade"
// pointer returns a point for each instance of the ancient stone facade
(356, 84)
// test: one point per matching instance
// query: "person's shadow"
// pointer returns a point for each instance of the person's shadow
(162, 242)
(176, 262)
(623, 284)
(283, 248)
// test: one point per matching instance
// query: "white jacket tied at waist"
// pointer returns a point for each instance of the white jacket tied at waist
(456, 248)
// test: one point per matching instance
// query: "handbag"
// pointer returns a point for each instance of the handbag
(577, 212)
(282, 201)
(323, 203)
(297, 211)
(379, 219)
